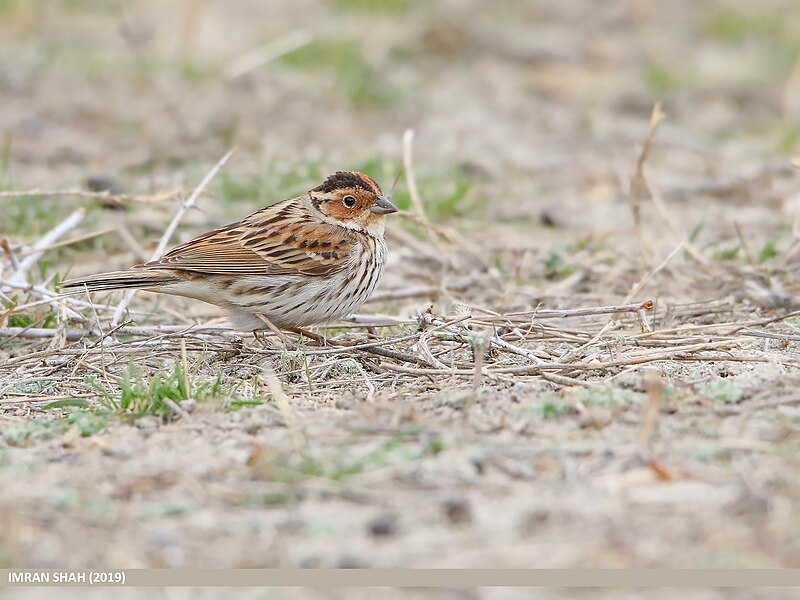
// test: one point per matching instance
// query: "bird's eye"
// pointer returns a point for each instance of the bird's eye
(349, 201)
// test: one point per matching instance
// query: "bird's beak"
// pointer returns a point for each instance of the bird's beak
(383, 206)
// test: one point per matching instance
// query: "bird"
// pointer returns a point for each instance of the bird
(299, 262)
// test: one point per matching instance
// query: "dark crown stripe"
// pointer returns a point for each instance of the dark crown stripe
(348, 179)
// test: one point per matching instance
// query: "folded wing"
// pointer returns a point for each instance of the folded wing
(275, 241)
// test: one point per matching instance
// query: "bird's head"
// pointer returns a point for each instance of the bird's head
(353, 200)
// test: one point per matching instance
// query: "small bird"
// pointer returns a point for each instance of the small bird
(302, 261)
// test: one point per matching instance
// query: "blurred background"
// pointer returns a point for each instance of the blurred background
(528, 115)
(515, 105)
(529, 119)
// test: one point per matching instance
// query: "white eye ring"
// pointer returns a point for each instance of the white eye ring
(349, 201)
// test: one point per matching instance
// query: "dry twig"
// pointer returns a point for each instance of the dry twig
(40, 247)
(637, 179)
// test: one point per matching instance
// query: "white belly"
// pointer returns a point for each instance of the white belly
(301, 300)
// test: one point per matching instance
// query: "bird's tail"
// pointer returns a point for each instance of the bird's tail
(119, 280)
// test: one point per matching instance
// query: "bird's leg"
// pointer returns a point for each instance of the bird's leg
(281, 336)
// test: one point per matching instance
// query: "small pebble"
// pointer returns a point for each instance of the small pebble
(383, 525)
(457, 510)
(595, 417)
(535, 520)
(148, 423)
(104, 183)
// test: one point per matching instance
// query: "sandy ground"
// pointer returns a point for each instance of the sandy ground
(528, 123)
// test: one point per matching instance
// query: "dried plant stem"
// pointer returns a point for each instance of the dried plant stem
(658, 202)
(416, 201)
(637, 180)
(371, 349)
(501, 343)
(177, 408)
(10, 255)
(189, 25)
(40, 247)
(579, 312)
(745, 245)
(650, 274)
(289, 418)
(48, 296)
(75, 240)
(26, 398)
(185, 366)
(654, 387)
(479, 347)
(594, 339)
(411, 181)
(396, 355)
(258, 57)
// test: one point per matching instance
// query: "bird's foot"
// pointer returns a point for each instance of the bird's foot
(314, 337)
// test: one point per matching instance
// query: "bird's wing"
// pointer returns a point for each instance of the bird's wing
(279, 240)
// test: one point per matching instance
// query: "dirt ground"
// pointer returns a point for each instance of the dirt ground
(583, 441)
